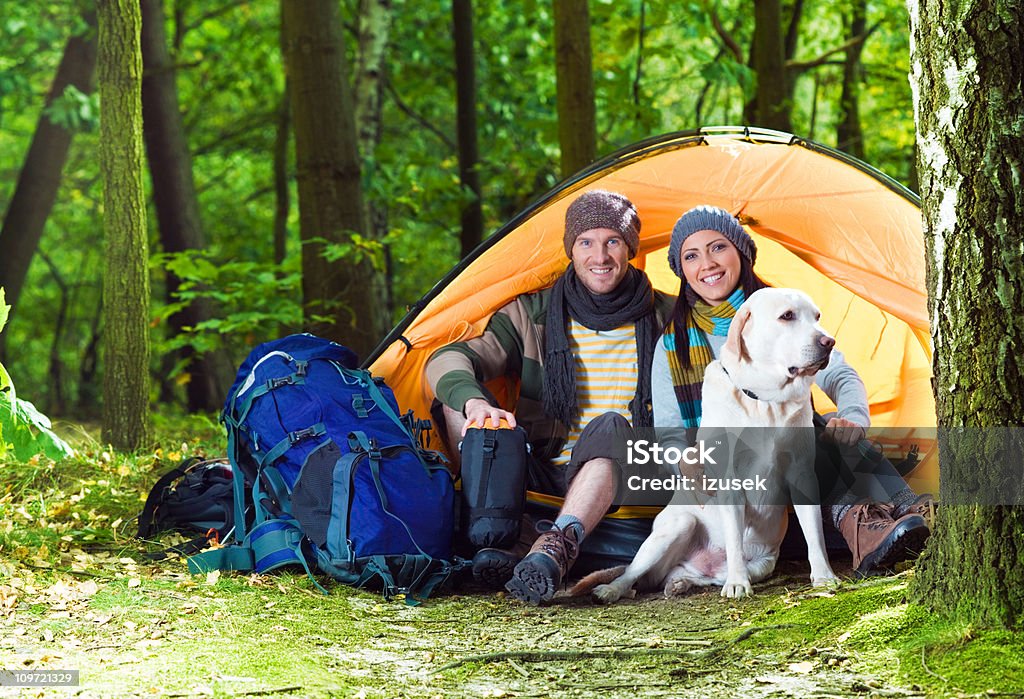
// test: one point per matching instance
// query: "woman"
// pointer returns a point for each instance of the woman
(713, 256)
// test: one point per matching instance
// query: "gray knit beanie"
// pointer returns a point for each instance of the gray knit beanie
(709, 218)
(600, 209)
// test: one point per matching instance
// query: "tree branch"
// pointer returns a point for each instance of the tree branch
(724, 34)
(798, 67)
(793, 30)
(419, 118)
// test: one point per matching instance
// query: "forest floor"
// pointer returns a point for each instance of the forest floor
(78, 592)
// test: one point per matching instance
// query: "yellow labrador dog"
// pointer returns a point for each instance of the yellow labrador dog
(761, 380)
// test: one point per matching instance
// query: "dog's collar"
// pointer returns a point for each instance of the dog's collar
(747, 392)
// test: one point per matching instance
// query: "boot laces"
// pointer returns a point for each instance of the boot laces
(560, 544)
(874, 515)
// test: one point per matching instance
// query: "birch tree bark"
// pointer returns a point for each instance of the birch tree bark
(966, 65)
(374, 34)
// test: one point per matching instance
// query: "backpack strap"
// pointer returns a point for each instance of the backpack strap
(290, 440)
(237, 482)
(298, 378)
(365, 379)
(223, 558)
(337, 527)
(270, 545)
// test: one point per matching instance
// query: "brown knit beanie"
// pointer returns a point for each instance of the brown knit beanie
(600, 209)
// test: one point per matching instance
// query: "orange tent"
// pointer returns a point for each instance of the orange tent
(823, 222)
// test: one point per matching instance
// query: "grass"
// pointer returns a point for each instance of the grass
(77, 591)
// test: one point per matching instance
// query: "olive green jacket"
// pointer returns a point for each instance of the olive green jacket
(512, 346)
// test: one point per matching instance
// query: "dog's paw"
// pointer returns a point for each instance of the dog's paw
(830, 581)
(735, 590)
(606, 594)
(674, 587)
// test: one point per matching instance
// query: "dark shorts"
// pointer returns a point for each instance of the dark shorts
(603, 437)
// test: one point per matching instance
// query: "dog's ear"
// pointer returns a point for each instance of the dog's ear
(735, 342)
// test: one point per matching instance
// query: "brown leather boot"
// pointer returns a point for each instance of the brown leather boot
(540, 574)
(879, 542)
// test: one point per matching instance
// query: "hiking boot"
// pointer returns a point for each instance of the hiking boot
(540, 574)
(492, 568)
(879, 542)
(924, 506)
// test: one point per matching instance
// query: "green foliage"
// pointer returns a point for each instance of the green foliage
(251, 300)
(661, 69)
(74, 110)
(24, 431)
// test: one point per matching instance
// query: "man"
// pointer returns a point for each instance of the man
(581, 351)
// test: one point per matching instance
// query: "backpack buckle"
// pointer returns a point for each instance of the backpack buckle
(281, 381)
(374, 453)
(300, 367)
(489, 441)
(298, 435)
(359, 405)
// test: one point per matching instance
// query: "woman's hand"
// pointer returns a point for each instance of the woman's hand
(844, 432)
(478, 411)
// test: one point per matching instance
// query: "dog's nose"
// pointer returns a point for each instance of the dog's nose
(827, 342)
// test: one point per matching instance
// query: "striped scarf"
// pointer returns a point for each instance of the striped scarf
(702, 319)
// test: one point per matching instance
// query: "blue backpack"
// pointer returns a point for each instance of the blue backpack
(327, 474)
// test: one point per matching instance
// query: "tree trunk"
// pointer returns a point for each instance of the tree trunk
(374, 37)
(350, 291)
(967, 66)
(849, 137)
(465, 112)
(574, 72)
(40, 175)
(282, 195)
(282, 178)
(768, 48)
(174, 196)
(126, 278)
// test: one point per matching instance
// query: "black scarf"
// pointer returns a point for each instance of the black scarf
(632, 300)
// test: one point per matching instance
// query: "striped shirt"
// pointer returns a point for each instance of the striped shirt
(606, 371)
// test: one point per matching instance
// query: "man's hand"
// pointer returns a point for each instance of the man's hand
(478, 411)
(844, 432)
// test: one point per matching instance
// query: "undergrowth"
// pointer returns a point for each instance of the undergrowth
(77, 591)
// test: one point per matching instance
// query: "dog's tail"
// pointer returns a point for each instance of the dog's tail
(598, 577)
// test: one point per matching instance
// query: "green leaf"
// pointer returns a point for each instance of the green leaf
(27, 432)
(4, 309)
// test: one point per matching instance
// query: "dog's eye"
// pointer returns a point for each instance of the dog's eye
(788, 315)
(817, 317)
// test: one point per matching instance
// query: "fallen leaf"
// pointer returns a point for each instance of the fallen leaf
(801, 668)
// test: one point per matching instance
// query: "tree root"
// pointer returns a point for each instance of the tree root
(541, 656)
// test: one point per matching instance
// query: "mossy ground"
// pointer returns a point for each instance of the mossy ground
(77, 592)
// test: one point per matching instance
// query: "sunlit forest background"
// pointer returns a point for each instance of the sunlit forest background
(657, 67)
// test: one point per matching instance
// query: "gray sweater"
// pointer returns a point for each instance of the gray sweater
(839, 381)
